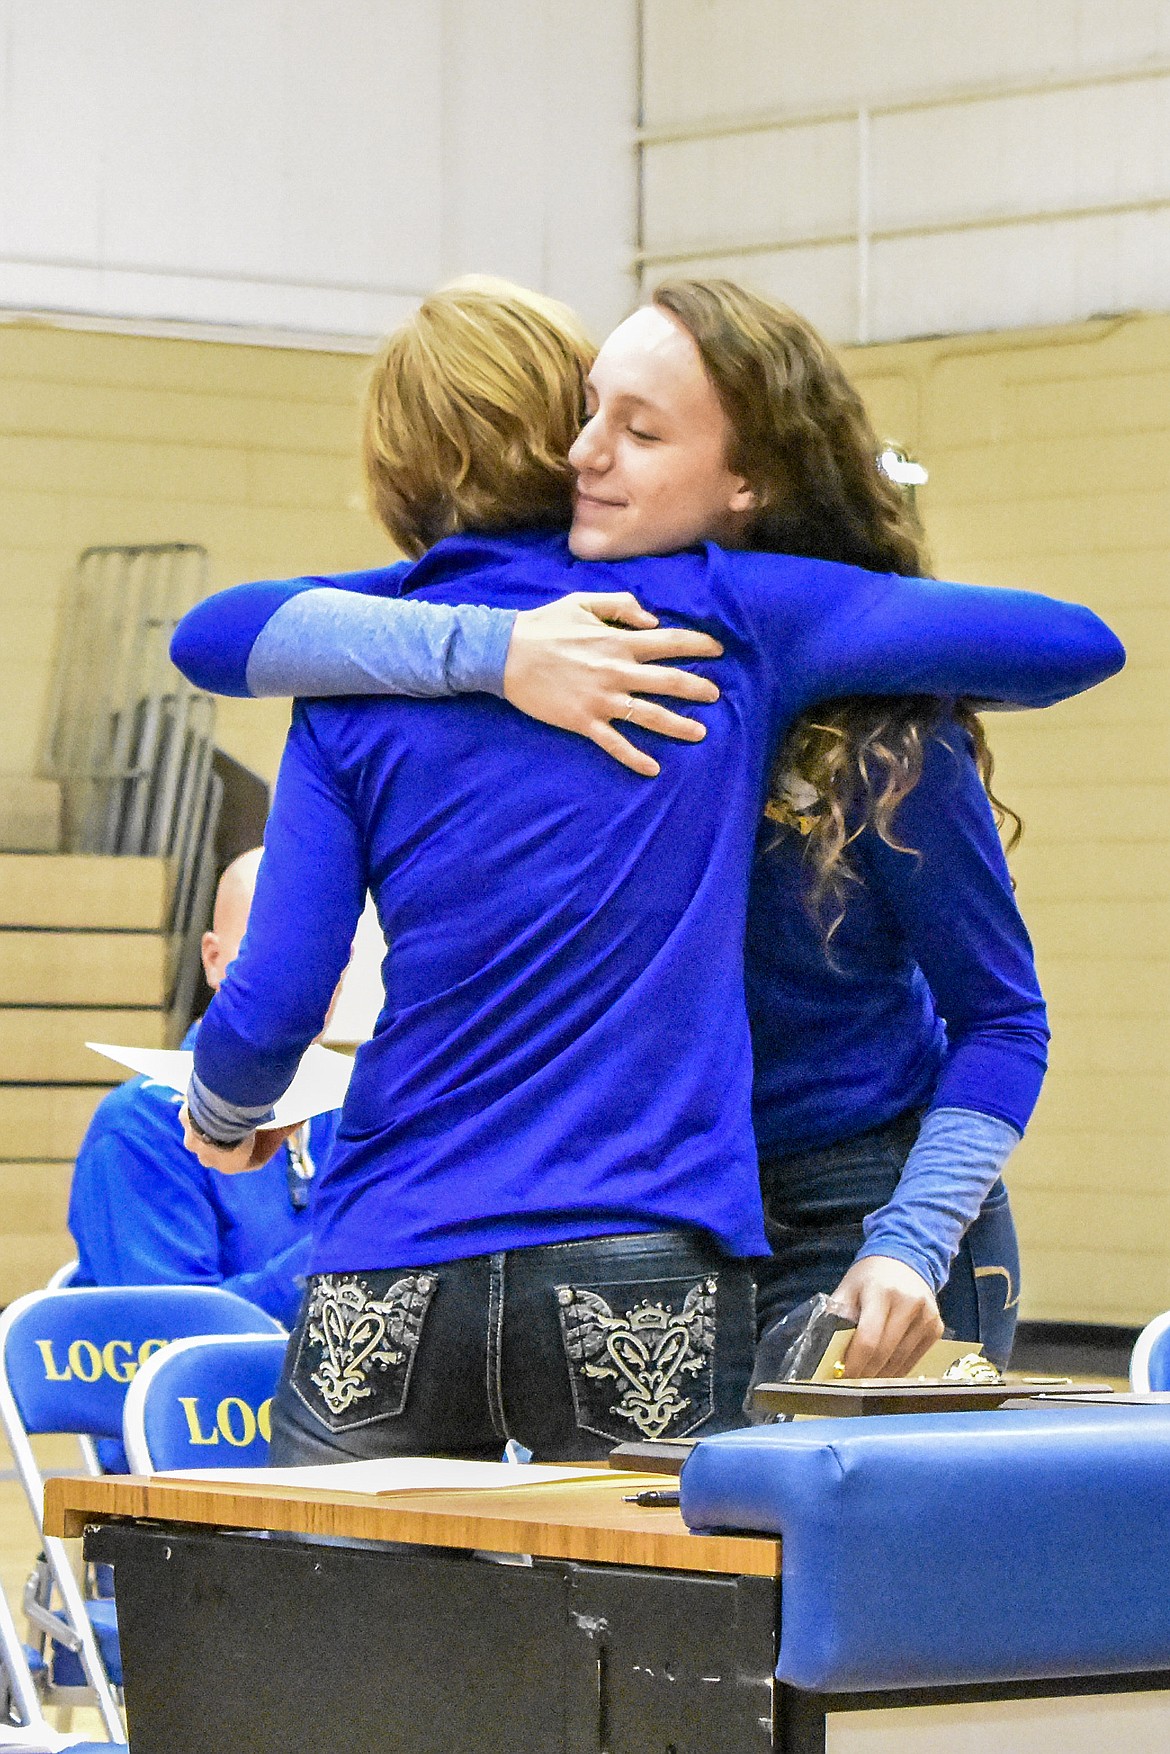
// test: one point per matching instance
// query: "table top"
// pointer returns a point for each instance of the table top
(587, 1520)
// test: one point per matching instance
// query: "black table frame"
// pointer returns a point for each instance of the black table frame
(235, 1642)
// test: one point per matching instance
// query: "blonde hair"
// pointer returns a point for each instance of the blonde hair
(470, 410)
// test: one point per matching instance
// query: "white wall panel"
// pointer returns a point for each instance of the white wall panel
(1042, 152)
(748, 187)
(820, 281)
(539, 107)
(1059, 272)
(718, 58)
(1016, 153)
(311, 164)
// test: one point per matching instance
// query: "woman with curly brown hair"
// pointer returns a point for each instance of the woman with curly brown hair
(880, 899)
(604, 1105)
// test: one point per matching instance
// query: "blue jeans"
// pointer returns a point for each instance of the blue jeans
(814, 1204)
(568, 1347)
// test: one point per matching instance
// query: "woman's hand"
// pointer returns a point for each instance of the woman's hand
(896, 1315)
(569, 666)
(252, 1152)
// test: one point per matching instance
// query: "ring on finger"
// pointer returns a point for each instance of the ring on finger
(629, 712)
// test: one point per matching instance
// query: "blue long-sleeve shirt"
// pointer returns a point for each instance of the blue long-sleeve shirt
(927, 995)
(537, 1072)
(144, 1211)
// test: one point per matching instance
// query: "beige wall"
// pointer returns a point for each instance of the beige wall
(1049, 460)
(250, 451)
(1049, 457)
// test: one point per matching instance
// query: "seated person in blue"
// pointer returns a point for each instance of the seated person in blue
(143, 1211)
(545, 1195)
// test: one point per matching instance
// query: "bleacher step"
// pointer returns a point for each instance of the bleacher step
(48, 1047)
(30, 814)
(39, 1192)
(28, 1261)
(86, 968)
(85, 892)
(48, 1124)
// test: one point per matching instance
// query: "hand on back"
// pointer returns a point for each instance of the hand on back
(584, 662)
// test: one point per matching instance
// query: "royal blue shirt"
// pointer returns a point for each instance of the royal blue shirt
(564, 1048)
(144, 1211)
(926, 995)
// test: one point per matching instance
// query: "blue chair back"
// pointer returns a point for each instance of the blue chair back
(67, 1357)
(204, 1403)
(1149, 1367)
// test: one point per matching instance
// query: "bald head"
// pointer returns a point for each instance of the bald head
(233, 903)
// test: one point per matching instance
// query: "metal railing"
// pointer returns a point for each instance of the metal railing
(130, 740)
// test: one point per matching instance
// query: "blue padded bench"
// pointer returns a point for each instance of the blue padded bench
(927, 1551)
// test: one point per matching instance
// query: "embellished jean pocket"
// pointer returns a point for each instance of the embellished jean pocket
(641, 1356)
(358, 1340)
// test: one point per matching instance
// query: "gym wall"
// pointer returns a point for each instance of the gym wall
(251, 451)
(1049, 457)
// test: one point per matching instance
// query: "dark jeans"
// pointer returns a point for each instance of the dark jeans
(814, 1203)
(568, 1347)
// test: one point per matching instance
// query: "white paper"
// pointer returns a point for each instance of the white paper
(320, 1083)
(400, 1474)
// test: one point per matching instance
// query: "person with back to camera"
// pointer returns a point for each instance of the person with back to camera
(557, 1157)
(143, 1212)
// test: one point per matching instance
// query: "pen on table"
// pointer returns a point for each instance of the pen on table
(654, 1499)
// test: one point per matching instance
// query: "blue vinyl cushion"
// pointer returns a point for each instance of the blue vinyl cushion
(928, 1550)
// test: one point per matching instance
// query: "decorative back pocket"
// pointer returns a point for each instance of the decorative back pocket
(641, 1356)
(358, 1342)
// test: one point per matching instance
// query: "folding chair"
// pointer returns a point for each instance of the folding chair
(60, 1281)
(1149, 1365)
(23, 1724)
(203, 1403)
(66, 1360)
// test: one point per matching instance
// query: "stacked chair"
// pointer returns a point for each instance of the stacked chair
(23, 1724)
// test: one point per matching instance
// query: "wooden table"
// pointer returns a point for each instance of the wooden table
(589, 1521)
(381, 1625)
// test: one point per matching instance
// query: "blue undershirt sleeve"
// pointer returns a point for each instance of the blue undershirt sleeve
(349, 634)
(952, 1167)
(329, 642)
(275, 996)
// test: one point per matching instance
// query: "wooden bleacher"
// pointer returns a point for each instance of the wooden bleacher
(84, 955)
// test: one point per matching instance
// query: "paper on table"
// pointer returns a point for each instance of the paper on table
(400, 1474)
(320, 1082)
